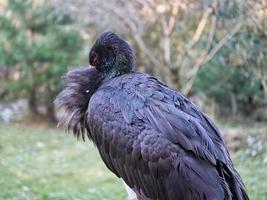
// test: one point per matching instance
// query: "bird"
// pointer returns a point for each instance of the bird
(161, 144)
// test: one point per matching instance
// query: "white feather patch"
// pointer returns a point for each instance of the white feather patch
(131, 193)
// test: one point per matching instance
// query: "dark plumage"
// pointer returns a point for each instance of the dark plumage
(162, 145)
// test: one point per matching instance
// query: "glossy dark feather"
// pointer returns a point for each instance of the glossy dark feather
(160, 143)
(73, 101)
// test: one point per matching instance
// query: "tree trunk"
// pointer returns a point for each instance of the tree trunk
(233, 104)
(50, 109)
(175, 78)
(50, 112)
(33, 103)
(264, 85)
(167, 49)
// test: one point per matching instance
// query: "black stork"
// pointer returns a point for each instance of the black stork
(161, 144)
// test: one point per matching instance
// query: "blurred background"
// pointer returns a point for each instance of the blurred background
(215, 52)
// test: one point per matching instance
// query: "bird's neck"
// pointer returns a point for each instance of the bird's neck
(114, 72)
(111, 74)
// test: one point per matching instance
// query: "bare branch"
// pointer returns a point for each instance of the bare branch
(211, 32)
(167, 30)
(146, 50)
(173, 16)
(198, 33)
(222, 43)
(201, 26)
(201, 57)
(202, 60)
(137, 37)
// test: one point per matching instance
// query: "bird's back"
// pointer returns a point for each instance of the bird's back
(160, 143)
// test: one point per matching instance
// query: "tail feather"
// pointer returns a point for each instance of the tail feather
(232, 182)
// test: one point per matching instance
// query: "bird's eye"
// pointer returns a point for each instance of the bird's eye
(94, 59)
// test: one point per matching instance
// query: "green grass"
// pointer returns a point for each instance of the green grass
(45, 163)
(254, 173)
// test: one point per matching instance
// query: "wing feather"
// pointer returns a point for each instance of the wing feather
(160, 143)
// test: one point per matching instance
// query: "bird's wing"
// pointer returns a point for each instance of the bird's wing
(120, 145)
(154, 138)
(180, 121)
(173, 115)
(184, 124)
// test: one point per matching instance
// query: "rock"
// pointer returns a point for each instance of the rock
(233, 139)
(15, 110)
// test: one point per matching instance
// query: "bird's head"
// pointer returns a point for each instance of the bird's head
(111, 55)
(72, 101)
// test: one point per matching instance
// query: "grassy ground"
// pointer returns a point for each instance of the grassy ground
(45, 163)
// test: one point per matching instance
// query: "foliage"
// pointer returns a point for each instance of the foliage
(233, 87)
(37, 45)
(174, 38)
(181, 41)
(236, 78)
(198, 46)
